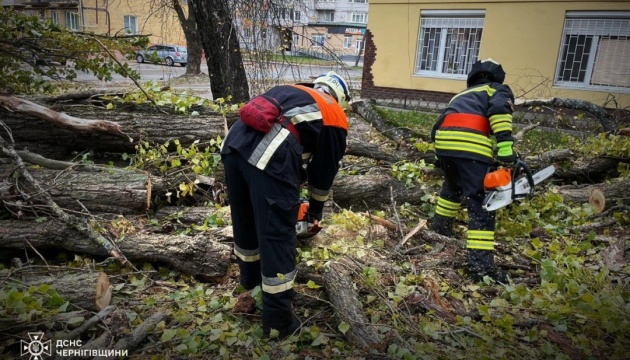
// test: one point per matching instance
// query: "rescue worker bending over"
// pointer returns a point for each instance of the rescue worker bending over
(464, 150)
(303, 123)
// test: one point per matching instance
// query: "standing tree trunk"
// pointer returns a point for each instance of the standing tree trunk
(220, 43)
(193, 42)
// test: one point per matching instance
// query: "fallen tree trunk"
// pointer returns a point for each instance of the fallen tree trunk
(140, 124)
(373, 190)
(111, 190)
(78, 288)
(613, 191)
(348, 309)
(197, 255)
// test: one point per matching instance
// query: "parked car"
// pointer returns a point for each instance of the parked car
(169, 54)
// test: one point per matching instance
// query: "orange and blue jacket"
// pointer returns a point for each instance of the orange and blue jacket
(312, 131)
(465, 127)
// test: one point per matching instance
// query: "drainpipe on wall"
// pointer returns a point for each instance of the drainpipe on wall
(82, 15)
(103, 9)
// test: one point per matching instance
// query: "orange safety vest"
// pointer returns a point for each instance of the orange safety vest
(332, 115)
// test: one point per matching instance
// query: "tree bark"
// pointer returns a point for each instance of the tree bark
(112, 190)
(78, 288)
(614, 191)
(605, 118)
(193, 42)
(348, 308)
(46, 139)
(373, 190)
(220, 43)
(198, 255)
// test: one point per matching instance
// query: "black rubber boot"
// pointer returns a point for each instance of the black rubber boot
(443, 225)
(480, 263)
(284, 332)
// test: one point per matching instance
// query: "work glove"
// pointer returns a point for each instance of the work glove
(506, 154)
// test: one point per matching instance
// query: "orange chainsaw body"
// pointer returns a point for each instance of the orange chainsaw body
(497, 179)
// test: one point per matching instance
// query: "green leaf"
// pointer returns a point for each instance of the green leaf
(75, 321)
(168, 334)
(311, 285)
(343, 327)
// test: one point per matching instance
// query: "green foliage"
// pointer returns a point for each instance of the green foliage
(171, 157)
(25, 305)
(26, 38)
(182, 103)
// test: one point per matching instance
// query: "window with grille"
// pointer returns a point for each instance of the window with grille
(129, 23)
(448, 42)
(359, 17)
(595, 51)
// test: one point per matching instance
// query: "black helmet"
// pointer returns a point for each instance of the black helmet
(487, 68)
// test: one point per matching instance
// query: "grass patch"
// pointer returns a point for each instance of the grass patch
(416, 121)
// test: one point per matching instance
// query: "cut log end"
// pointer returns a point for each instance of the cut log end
(597, 200)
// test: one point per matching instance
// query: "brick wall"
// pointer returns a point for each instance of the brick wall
(370, 91)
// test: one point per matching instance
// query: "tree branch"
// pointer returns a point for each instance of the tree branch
(60, 119)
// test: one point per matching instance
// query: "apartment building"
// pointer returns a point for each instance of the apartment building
(317, 27)
(112, 17)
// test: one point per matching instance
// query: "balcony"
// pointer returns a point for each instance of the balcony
(325, 5)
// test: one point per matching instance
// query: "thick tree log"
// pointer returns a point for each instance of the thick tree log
(373, 190)
(340, 289)
(198, 255)
(589, 170)
(44, 138)
(614, 191)
(111, 190)
(603, 116)
(79, 288)
(60, 119)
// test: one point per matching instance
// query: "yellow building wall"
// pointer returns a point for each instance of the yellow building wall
(161, 24)
(525, 36)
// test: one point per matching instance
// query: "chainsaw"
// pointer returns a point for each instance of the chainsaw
(303, 227)
(506, 185)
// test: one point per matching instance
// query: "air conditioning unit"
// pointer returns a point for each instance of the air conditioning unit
(328, 36)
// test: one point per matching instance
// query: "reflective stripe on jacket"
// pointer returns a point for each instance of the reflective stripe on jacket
(322, 127)
(464, 128)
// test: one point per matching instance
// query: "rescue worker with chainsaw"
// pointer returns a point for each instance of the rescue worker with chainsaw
(263, 154)
(464, 149)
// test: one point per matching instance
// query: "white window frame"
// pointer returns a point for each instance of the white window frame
(316, 42)
(326, 15)
(357, 44)
(295, 38)
(359, 17)
(596, 26)
(347, 41)
(439, 25)
(54, 16)
(127, 24)
(72, 20)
